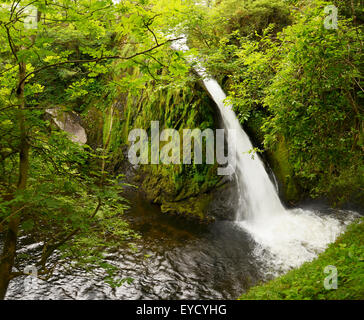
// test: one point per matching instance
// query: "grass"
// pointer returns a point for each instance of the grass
(307, 282)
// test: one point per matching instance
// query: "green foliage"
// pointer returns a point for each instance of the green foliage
(314, 98)
(179, 104)
(307, 282)
(300, 84)
(58, 192)
(180, 108)
(66, 206)
(296, 83)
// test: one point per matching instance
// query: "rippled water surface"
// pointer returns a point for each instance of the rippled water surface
(176, 260)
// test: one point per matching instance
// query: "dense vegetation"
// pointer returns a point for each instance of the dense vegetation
(296, 87)
(346, 254)
(55, 191)
(178, 105)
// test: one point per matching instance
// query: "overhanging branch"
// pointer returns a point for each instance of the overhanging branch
(116, 57)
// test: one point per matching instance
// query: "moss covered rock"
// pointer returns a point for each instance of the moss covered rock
(194, 207)
(284, 172)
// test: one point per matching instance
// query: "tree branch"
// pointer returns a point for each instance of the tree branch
(48, 250)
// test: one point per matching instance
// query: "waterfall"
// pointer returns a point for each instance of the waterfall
(257, 195)
(258, 198)
(284, 238)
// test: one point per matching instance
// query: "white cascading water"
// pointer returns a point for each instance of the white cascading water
(285, 238)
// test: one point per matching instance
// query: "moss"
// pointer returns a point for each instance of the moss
(156, 184)
(93, 122)
(190, 199)
(177, 107)
(193, 207)
(277, 158)
(284, 172)
(307, 282)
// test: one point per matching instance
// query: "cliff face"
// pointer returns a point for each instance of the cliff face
(277, 161)
(179, 189)
(193, 191)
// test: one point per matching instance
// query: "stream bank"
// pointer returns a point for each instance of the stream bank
(307, 282)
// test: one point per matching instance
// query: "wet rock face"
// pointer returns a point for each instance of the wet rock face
(219, 203)
(204, 207)
(70, 123)
(225, 201)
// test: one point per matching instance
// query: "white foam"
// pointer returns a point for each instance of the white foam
(289, 240)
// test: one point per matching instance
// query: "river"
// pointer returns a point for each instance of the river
(176, 259)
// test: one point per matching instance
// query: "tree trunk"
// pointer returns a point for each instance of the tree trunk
(11, 235)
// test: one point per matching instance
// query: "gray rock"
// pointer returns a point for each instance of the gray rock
(70, 123)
